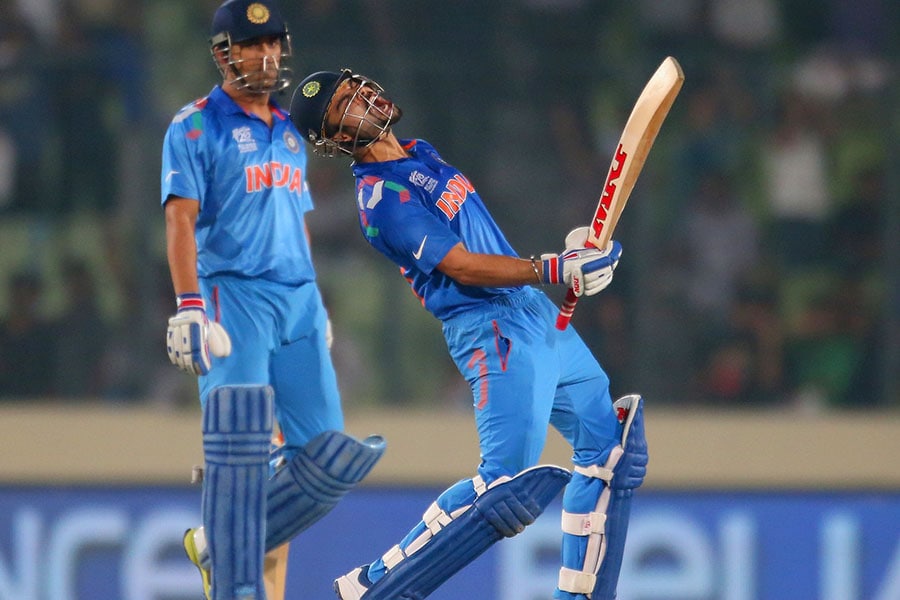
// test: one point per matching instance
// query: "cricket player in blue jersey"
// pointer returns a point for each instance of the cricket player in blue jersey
(250, 321)
(426, 216)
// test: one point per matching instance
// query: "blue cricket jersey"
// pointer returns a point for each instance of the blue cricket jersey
(251, 183)
(414, 210)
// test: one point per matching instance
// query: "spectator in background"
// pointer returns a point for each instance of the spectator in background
(606, 327)
(78, 356)
(829, 348)
(716, 252)
(745, 364)
(710, 140)
(26, 341)
(23, 122)
(720, 239)
(856, 230)
(795, 170)
(97, 93)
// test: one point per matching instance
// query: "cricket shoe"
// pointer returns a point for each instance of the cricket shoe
(195, 547)
(354, 584)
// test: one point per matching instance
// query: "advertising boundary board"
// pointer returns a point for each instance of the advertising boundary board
(123, 543)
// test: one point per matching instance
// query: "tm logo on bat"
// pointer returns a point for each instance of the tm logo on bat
(608, 190)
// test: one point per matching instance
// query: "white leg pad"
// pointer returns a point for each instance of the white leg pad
(593, 524)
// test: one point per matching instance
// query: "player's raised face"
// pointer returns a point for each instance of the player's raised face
(360, 113)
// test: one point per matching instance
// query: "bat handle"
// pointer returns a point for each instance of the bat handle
(566, 310)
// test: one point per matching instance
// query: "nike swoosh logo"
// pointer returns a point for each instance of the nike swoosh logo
(170, 173)
(418, 253)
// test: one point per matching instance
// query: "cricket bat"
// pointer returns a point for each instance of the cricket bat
(640, 131)
(275, 564)
(275, 572)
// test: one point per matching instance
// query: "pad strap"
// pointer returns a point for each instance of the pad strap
(598, 472)
(435, 519)
(583, 524)
(576, 582)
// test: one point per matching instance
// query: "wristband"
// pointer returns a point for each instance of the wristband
(553, 268)
(189, 301)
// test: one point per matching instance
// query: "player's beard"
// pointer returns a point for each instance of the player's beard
(257, 76)
(386, 114)
(380, 121)
(265, 78)
(396, 115)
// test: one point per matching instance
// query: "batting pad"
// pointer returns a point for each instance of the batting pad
(595, 539)
(629, 475)
(503, 510)
(237, 428)
(314, 481)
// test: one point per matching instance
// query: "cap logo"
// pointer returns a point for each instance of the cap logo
(257, 13)
(311, 89)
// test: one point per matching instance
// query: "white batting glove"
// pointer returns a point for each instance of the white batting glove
(329, 334)
(577, 238)
(586, 271)
(192, 337)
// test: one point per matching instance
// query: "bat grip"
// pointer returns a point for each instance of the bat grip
(566, 310)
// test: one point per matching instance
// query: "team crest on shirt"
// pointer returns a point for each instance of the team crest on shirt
(290, 140)
(244, 138)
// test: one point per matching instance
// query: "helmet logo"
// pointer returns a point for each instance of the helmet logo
(311, 89)
(257, 13)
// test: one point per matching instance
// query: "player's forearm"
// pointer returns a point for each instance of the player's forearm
(184, 278)
(181, 252)
(492, 270)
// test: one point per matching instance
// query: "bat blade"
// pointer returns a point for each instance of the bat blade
(631, 152)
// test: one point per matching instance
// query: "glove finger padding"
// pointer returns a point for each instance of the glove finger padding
(613, 250)
(186, 342)
(329, 334)
(598, 274)
(598, 281)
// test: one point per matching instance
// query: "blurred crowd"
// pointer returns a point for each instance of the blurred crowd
(761, 245)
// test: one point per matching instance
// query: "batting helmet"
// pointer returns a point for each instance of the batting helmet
(237, 21)
(242, 20)
(309, 108)
(367, 117)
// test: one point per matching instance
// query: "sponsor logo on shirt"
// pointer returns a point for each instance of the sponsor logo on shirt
(454, 195)
(274, 174)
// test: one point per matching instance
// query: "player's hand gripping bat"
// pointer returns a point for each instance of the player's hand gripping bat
(640, 131)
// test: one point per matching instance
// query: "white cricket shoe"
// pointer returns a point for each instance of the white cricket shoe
(353, 585)
(195, 547)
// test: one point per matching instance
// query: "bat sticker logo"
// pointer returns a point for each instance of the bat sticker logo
(608, 190)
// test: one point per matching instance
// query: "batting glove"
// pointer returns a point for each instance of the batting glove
(586, 271)
(192, 337)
